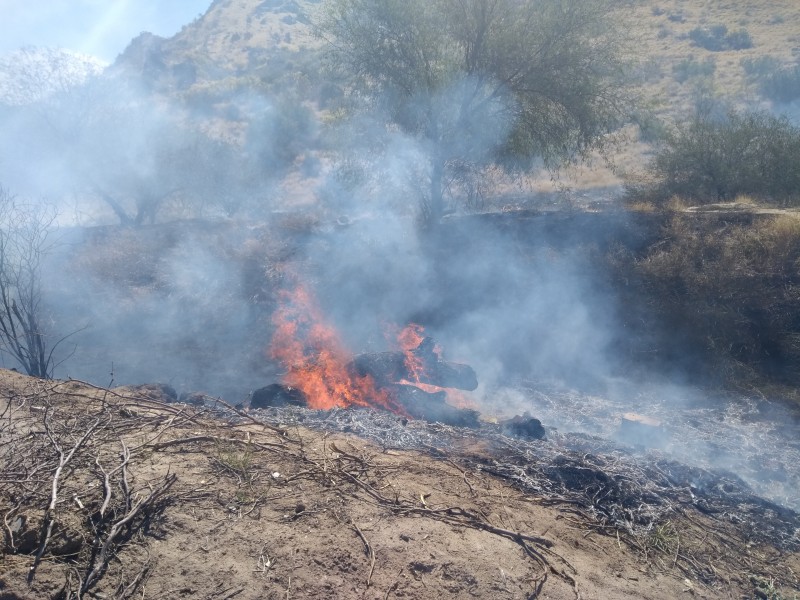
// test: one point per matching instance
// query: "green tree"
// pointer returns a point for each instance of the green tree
(483, 82)
(713, 159)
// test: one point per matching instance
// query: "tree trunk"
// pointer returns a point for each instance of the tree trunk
(436, 200)
(122, 215)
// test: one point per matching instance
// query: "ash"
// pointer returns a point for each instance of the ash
(618, 488)
(753, 439)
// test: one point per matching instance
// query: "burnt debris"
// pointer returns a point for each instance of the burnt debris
(432, 407)
(406, 377)
(276, 395)
(392, 367)
(525, 427)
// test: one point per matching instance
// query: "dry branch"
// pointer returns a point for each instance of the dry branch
(49, 517)
(99, 564)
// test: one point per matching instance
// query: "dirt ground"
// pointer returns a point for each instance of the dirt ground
(113, 494)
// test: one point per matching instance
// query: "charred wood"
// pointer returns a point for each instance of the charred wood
(432, 407)
(277, 395)
(525, 427)
(391, 367)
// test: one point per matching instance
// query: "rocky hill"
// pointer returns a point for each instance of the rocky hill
(232, 39)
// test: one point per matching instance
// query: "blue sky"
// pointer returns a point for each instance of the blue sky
(101, 28)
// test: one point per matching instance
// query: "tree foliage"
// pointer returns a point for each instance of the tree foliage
(129, 148)
(484, 81)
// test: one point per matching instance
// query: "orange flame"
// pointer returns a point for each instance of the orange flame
(409, 340)
(316, 359)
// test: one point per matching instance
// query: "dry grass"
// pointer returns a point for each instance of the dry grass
(727, 281)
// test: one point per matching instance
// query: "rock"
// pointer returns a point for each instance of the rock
(277, 395)
(524, 426)
(25, 539)
(196, 398)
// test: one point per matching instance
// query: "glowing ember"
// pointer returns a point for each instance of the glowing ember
(316, 359)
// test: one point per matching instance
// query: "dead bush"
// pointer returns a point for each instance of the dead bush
(726, 287)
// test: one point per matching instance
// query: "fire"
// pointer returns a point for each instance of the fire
(316, 359)
(409, 339)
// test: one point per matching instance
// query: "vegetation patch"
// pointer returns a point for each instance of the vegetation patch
(717, 38)
(727, 288)
(711, 160)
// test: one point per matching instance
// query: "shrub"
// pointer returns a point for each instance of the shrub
(651, 128)
(716, 38)
(713, 160)
(782, 85)
(727, 289)
(776, 82)
(739, 40)
(690, 67)
(762, 66)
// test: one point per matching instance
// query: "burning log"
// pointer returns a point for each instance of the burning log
(432, 407)
(321, 374)
(420, 365)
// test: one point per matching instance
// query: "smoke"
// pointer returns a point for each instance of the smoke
(526, 299)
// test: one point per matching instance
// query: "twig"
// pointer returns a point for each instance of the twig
(126, 455)
(368, 548)
(104, 556)
(283, 433)
(49, 519)
(211, 438)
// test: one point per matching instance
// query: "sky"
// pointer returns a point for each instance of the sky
(101, 28)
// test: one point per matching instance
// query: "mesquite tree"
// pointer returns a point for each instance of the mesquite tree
(484, 82)
(24, 233)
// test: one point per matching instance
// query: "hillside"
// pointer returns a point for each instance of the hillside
(233, 40)
(122, 493)
(268, 46)
(229, 231)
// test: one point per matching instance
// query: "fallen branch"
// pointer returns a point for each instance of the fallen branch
(368, 549)
(100, 562)
(49, 519)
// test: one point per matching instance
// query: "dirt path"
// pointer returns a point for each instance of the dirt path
(168, 501)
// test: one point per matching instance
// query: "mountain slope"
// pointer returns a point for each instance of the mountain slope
(233, 38)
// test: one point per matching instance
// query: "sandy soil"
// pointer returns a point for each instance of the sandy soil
(160, 500)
